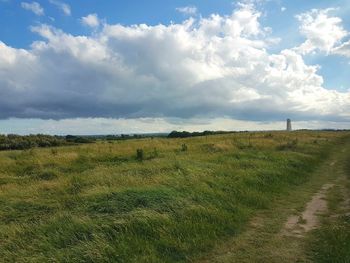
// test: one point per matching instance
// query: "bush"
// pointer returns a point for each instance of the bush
(139, 154)
(78, 139)
(17, 142)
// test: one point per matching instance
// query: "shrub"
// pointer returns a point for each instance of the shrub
(139, 154)
(17, 142)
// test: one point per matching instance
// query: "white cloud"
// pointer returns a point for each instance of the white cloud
(343, 49)
(206, 68)
(90, 20)
(65, 8)
(283, 9)
(322, 31)
(187, 10)
(33, 7)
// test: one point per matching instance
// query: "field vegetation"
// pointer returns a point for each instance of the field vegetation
(147, 200)
(331, 241)
(18, 142)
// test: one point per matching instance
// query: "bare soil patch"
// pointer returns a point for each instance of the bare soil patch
(297, 225)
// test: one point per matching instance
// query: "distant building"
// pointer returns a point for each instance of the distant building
(289, 125)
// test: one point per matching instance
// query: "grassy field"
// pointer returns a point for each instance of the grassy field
(99, 203)
(267, 238)
(331, 242)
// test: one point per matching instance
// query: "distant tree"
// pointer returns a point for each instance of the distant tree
(185, 134)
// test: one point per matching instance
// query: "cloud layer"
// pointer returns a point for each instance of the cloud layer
(210, 67)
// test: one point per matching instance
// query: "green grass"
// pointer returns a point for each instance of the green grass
(99, 203)
(331, 242)
(265, 238)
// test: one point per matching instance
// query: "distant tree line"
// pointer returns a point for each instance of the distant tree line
(123, 137)
(18, 142)
(79, 139)
(186, 134)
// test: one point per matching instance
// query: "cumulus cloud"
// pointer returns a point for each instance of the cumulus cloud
(206, 68)
(65, 8)
(187, 10)
(322, 30)
(90, 20)
(33, 7)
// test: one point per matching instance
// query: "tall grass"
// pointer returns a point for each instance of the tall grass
(100, 203)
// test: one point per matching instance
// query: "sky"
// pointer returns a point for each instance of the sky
(110, 67)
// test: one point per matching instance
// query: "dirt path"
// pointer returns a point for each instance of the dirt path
(278, 234)
(297, 225)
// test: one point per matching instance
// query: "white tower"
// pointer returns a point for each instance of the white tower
(289, 125)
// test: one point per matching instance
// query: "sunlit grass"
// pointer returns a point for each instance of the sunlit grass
(98, 202)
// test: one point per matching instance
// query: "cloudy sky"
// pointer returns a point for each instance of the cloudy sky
(96, 67)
